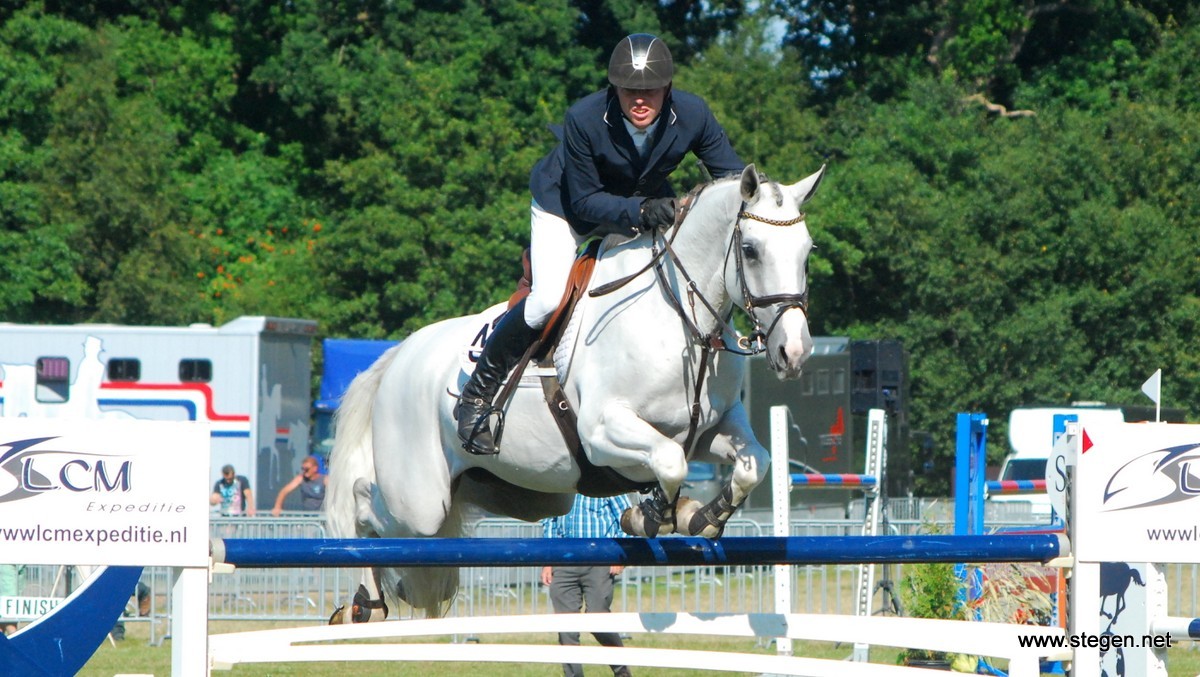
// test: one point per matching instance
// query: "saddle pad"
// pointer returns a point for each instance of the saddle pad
(469, 353)
(559, 325)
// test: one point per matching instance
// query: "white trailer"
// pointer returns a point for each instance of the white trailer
(249, 380)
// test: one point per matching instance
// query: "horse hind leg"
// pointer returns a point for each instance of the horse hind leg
(367, 604)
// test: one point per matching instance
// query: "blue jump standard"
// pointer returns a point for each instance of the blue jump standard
(669, 551)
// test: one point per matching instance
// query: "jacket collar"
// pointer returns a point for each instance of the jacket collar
(662, 137)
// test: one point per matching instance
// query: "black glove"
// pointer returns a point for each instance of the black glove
(657, 212)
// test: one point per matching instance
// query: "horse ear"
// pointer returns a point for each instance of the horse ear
(750, 181)
(804, 189)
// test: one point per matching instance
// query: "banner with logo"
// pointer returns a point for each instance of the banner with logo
(1138, 493)
(88, 491)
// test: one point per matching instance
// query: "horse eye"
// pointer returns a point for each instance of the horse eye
(750, 252)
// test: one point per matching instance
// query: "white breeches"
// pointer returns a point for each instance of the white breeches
(552, 248)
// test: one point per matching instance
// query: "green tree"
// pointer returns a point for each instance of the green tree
(1018, 260)
(989, 47)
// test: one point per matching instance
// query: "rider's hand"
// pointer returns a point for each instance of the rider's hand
(657, 212)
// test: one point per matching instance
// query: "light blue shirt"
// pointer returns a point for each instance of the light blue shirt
(589, 518)
(640, 136)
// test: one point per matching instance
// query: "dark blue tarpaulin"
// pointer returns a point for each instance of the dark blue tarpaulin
(344, 359)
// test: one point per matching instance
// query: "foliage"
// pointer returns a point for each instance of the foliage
(930, 590)
(1018, 260)
(991, 47)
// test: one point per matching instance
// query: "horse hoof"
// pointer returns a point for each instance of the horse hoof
(338, 617)
(709, 521)
(635, 523)
(685, 508)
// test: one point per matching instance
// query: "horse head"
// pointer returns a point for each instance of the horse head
(766, 271)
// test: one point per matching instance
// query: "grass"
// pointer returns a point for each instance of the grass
(136, 656)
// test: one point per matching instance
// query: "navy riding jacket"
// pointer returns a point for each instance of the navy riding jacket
(595, 178)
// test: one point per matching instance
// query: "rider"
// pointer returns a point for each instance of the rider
(607, 176)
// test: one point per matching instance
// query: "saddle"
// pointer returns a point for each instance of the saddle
(595, 481)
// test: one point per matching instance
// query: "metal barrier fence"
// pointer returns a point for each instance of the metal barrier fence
(309, 595)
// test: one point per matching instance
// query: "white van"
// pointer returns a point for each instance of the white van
(1032, 432)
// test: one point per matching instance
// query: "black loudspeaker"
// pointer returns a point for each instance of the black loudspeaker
(877, 376)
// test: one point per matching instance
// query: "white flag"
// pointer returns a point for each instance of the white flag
(1153, 386)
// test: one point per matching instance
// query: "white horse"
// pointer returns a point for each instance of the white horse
(650, 368)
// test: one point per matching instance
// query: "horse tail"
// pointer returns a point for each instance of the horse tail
(352, 457)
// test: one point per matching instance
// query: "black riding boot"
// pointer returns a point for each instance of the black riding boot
(504, 348)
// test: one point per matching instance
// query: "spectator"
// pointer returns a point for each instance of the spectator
(571, 587)
(232, 492)
(311, 482)
(142, 591)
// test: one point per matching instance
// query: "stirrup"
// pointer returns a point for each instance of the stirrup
(480, 425)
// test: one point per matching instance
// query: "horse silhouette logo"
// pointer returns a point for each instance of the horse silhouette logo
(1115, 578)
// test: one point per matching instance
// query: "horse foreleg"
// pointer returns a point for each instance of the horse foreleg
(733, 441)
(618, 437)
(653, 517)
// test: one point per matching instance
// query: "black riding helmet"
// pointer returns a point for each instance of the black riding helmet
(641, 61)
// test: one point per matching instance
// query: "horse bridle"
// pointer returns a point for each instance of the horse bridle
(756, 342)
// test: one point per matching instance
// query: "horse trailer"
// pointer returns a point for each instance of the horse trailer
(840, 383)
(248, 380)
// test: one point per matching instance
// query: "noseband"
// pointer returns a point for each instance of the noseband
(756, 342)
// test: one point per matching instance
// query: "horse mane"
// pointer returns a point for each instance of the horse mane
(762, 177)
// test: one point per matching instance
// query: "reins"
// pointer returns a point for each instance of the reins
(656, 258)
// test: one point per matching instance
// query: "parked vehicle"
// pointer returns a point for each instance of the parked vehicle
(1032, 432)
(248, 380)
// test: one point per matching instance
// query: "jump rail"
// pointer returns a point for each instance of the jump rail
(833, 481)
(1010, 487)
(682, 551)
